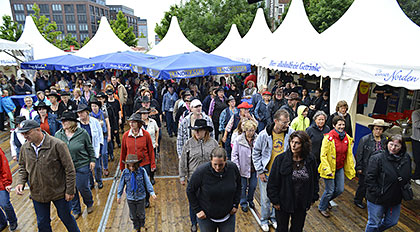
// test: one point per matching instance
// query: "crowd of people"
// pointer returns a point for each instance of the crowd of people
(230, 137)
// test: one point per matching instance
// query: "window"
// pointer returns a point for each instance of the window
(29, 7)
(83, 27)
(70, 19)
(68, 8)
(281, 8)
(92, 10)
(20, 17)
(102, 12)
(18, 7)
(93, 26)
(44, 8)
(71, 27)
(92, 19)
(81, 8)
(97, 11)
(58, 18)
(82, 18)
(56, 7)
(106, 13)
(60, 27)
(83, 36)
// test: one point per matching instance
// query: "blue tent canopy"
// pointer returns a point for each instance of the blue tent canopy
(60, 63)
(194, 64)
(118, 60)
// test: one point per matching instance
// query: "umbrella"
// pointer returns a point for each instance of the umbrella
(117, 60)
(194, 64)
(60, 63)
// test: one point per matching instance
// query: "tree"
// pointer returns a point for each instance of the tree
(412, 9)
(87, 39)
(324, 13)
(68, 41)
(47, 29)
(10, 30)
(121, 29)
(206, 23)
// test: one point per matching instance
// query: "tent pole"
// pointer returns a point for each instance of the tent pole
(320, 83)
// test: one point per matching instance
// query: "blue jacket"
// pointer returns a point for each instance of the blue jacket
(54, 124)
(261, 112)
(7, 104)
(169, 101)
(143, 183)
(261, 153)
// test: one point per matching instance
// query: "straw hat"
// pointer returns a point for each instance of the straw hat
(378, 122)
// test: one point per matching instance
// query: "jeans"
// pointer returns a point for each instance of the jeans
(207, 225)
(7, 207)
(361, 189)
(267, 211)
(193, 216)
(63, 207)
(82, 186)
(333, 188)
(104, 153)
(148, 170)
(111, 147)
(98, 172)
(249, 184)
(137, 213)
(11, 120)
(297, 222)
(170, 124)
(381, 217)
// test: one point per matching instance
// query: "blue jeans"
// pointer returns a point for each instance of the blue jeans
(267, 211)
(7, 207)
(11, 120)
(193, 216)
(98, 172)
(333, 188)
(207, 225)
(251, 185)
(82, 186)
(104, 153)
(170, 124)
(381, 217)
(63, 207)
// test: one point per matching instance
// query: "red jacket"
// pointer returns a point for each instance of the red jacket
(144, 150)
(341, 147)
(5, 174)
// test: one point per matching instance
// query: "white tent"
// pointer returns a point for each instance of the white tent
(377, 43)
(7, 45)
(10, 50)
(294, 47)
(249, 49)
(41, 47)
(229, 44)
(174, 42)
(103, 42)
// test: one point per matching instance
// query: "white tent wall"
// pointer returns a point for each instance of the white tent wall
(174, 42)
(262, 77)
(103, 42)
(230, 44)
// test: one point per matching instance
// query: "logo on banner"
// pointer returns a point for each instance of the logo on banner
(85, 68)
(186, 73)
(120, 66)
(64, 68)
(153, 73)
(397, 75)
(37, 66)
(231, 69)
(296, 65)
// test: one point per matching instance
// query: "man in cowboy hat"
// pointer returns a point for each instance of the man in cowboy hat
(293, 100)
(66, 104)
(46, 164)
(368, 144)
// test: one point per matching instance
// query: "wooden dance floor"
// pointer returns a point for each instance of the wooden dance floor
(169, 212)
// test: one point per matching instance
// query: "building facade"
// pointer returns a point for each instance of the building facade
(128, 13)
(143, 35)
(276, 8)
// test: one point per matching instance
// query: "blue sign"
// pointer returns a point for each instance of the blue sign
(397, 75)
(296, 65)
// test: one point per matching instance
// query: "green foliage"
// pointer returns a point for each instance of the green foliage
(10, 29)
(68, 41)
(86, 41)
(47, 29)
(121, 29)
(324, 13)
(412, 9)
(206, 23)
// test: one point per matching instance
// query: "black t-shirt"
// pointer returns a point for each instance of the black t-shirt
(116, 107)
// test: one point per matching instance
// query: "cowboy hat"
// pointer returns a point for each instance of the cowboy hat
(201, 124)
(82, 107)
(42, 105)
(96, 102)
(378, 122)
(131, 159)
(55, 94)
(293, 96)
(136, 117)
(69, 116)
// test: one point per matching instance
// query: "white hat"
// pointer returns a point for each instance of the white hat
(195, 103)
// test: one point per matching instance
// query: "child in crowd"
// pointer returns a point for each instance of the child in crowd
(137, 181)
(8, 107)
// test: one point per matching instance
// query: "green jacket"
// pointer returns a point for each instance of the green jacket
(80, 147)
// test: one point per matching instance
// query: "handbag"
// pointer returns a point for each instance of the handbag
(406, 190)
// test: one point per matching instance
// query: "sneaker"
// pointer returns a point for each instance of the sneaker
(76, 216)
(417, 181)
(244, 208)
(265, 227)
(324, 213)
(13, 226)
(147, 205)
(100, 185)
(90, 209)
(274, 224)
(194, 228)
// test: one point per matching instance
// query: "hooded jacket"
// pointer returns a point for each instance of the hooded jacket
(300, 123)
(242, 155)
(261, 153)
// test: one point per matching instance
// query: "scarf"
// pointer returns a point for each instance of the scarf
(342, 115)
(341, 134)
(133, 182)
(97, 116)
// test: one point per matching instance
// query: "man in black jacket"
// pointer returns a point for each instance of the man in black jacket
(369, 144)
(293, 100)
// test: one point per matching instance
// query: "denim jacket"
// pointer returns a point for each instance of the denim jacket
(168, 101)
(143, 182)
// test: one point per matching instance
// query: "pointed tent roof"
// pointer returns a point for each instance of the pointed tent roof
(103, 42)
(7, 45)
(250, 50)
(41, 47)
(293, 45)
(376, 44)
(230, 43)
(174, 42)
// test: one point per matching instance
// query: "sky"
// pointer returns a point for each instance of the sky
(152, 10)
